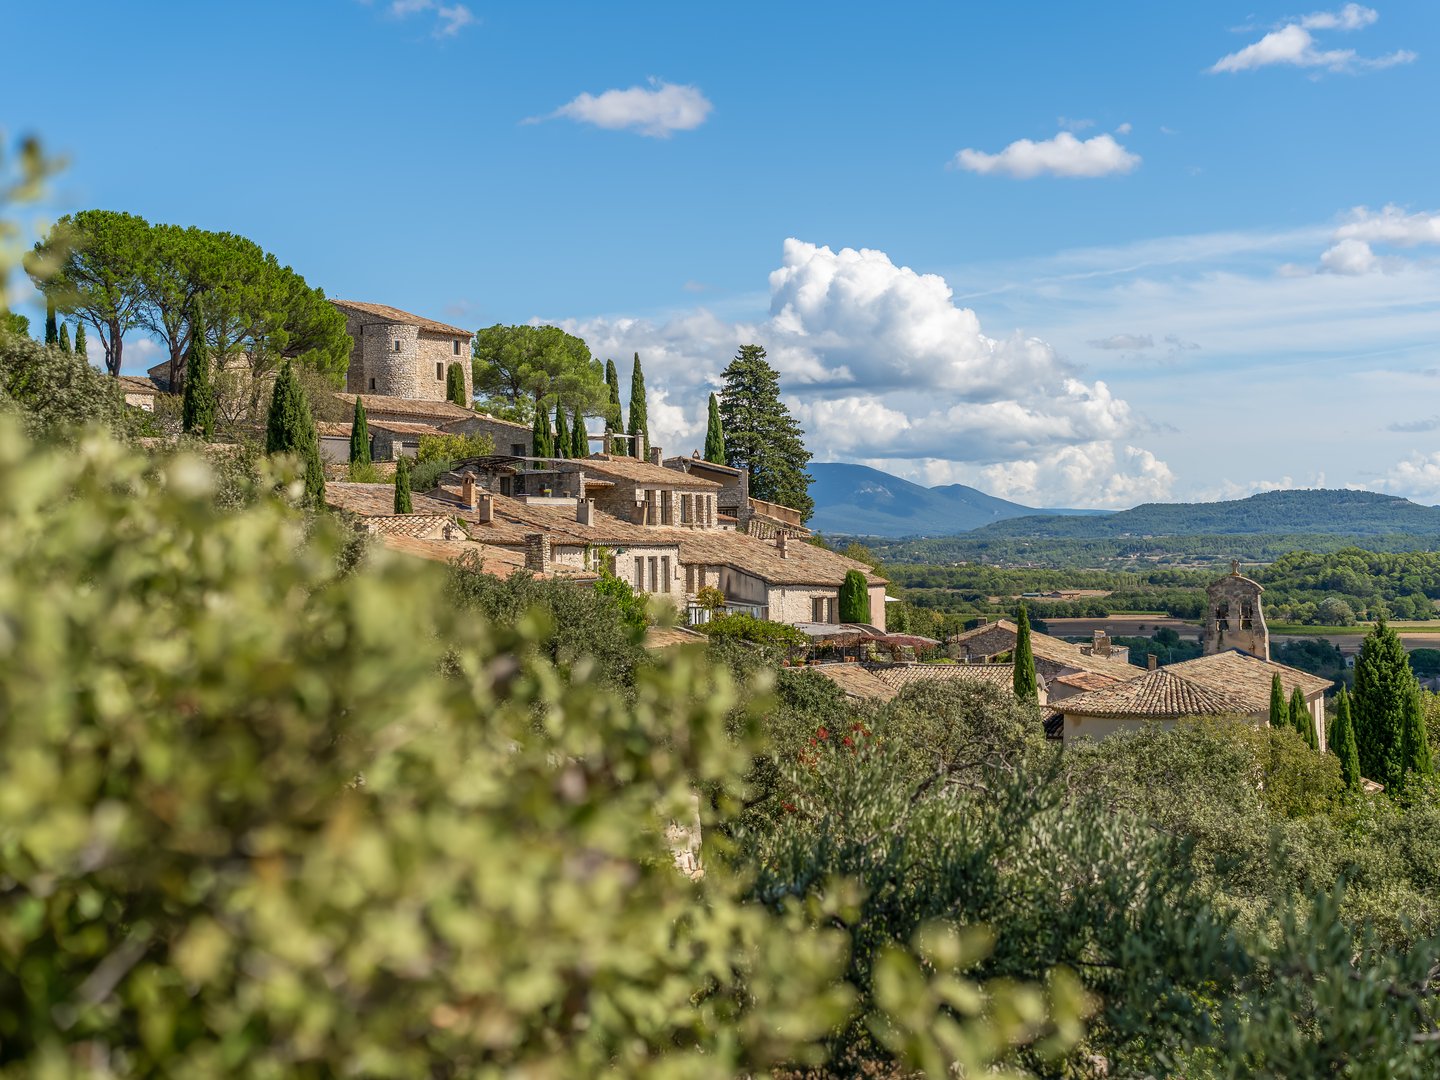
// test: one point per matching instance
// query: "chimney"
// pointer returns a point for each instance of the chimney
(585, 511)
(537, 552)
(780, 541)
(467, 490)
(1100, 643)
(1152, 661)
(484, 507)
(656, 455)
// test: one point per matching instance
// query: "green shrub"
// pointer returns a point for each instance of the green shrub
(454, 447)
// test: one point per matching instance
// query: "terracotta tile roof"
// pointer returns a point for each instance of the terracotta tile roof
(1159, 695)
(403, 427)
(385, 313)
(669, 637)
(136, 384)
(899, 676)
(628, 468)
(999, 636)
(1088, 680)
(856, 681)
(803, 564)
(495, 420)
(378, 501)
(685, 464)
(383, 405)
(333, 430)
(1240, 675)
(497, 561)
(423, 526)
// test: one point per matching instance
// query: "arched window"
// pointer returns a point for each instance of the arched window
(1222, 615)
(1247, 615)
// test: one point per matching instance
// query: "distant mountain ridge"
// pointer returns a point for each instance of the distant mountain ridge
(856, 500)
(1336, 512)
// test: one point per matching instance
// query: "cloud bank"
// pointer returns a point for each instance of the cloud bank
(881, 366)
(1064, 155)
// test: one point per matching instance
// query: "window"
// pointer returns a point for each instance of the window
(690, 580)
(397, 344)
(440, 371)
(654, 573)
(456, 345)
(639, 574)
(1247, 615)
(1222, 615)
(665, 573)
(817, 609)
(517, 449)
(372, 384)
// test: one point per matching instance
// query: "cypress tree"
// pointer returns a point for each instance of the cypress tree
(359, 435)
(579, 440)
(715, 434)
(290, 429)
(1344, 741)
(65, 338)
(562, 432)
(455, 386)
(1025, 688)
(1301, 720)
(402, 486)
(854, 598)
(1279, 714)
(1383, 684)
(52, 332)
(614, 416)
(1414, 741)
(197, 410)
(540, 433)
(80, 348)
(639, 429)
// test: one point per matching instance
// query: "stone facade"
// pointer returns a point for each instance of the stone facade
(508, 437)
(1234, 618)
(398, 354)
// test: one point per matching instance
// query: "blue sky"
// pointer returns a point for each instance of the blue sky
(1187, 284)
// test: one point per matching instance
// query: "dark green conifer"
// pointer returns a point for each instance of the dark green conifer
(1414, 742)
(562, 432)
(80, 346)
(1384, 682)
(455, 386)
(715, 434)
(579, 440)
(359, 435)
(1301, 720)
(52, 331)
(1343, 746)
(1025, 686)
(290, 429)
(65, 338)
(197, 410)
(854, 598)
(1279, 714)
(639, 429)
(540, 433)
(402, 486)
(614, 415)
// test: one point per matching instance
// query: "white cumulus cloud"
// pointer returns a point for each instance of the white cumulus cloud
(1292, 44)
(658, 110)
(1417, 477)
(1353, 252)
(880, 365)
(1064, 155)
(450, 19)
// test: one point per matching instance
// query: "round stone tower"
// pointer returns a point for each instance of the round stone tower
(1234, 618)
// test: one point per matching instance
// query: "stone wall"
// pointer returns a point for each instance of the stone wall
(378, 367)
(1234, 618)
(506, 436)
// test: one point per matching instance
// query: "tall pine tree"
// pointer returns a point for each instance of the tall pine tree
(614, 416)
(52, 332)
(455, 386)
(1343, 745)
(80, 346)
(1383, 685)
(639, 429)
(562, 432)
(1279, 714)
(715, 434)
(579, 441)
(65, 338)
(290, 429)
(402, 486)
(760, 434)
(359, 435)
(1414, 741)
(197, 410)
(1025, 686)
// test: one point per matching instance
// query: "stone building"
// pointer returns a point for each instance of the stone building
(1234, 618)
(397, 354)
(732, 501)
(647, 493)
(139, 393)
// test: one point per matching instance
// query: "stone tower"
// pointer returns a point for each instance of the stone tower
(1234, 618)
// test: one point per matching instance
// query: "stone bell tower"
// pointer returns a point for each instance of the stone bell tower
(1233, 616)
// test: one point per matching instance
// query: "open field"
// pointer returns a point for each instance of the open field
(1121, 626)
